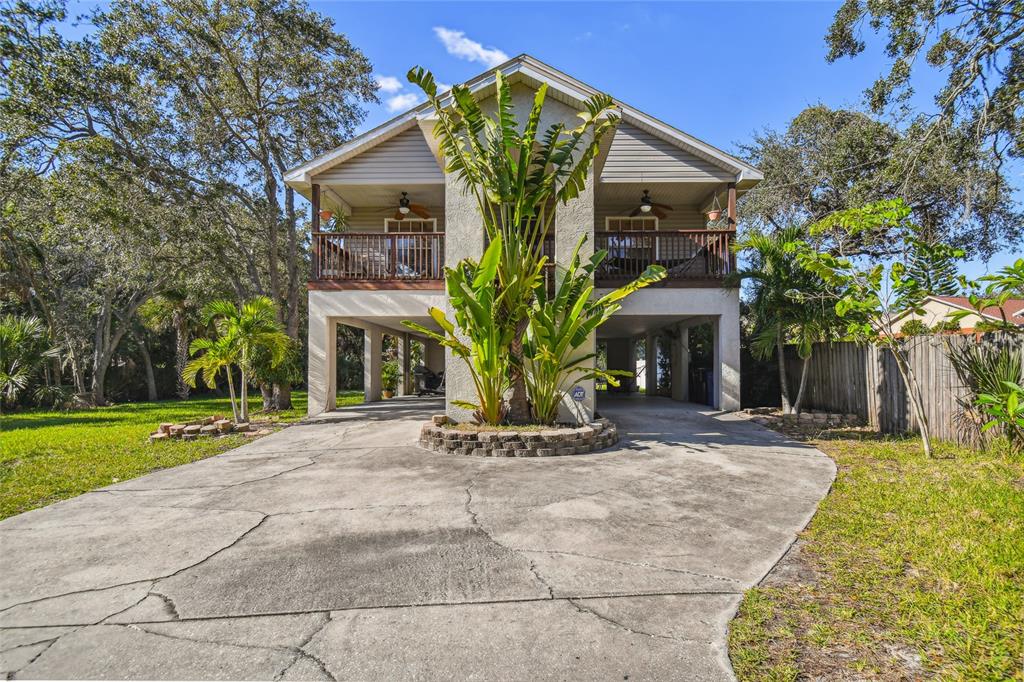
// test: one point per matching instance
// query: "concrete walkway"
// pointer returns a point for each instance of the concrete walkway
(337, 550)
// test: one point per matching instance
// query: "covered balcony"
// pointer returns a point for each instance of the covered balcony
(377, 260)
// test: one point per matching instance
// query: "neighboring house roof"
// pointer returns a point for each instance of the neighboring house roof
(561, 86)
(1013, 308)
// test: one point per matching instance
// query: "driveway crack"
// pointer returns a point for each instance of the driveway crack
(300, 651)
(630, 563)
(475, 520)
(153, 580)
(168, 602)
(583, 609)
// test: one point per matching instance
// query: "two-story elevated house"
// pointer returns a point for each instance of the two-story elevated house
(655, 195)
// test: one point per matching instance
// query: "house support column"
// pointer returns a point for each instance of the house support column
(726, 344)
(574, 220)
(621, 357)
(373, 348)
(681, 364)
(464, 238)
(322, 360)
(404, 358)
(433, 356)
(651, 363)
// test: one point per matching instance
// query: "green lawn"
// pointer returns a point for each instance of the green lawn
(48, 456)
(911, 568)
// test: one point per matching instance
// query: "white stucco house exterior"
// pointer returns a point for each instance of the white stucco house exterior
(379, 270)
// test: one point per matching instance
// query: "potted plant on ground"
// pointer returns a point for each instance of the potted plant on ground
(389, 378)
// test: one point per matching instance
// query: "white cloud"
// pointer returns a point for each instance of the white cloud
(403, 101)
(442, 87)
(388, 84)
(458, 45)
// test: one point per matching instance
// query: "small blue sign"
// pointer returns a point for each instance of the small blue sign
(578, 394)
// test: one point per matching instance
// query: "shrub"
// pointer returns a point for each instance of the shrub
(914, 328)
(946, 327)
(389, 375)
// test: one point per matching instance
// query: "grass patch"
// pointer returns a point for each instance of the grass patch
(47, 456)
(911, 568)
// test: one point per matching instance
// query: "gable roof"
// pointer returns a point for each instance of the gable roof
(1014, 308)
(560, 86)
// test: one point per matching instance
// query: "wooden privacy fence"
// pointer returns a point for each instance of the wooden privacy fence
(858, 379)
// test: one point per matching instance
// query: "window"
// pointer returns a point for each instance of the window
(408, 226)
(646, 223)
(630, 246)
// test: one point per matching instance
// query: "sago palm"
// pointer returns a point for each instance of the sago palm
(517, 178)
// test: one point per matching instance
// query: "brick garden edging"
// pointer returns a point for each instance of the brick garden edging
(439, 437)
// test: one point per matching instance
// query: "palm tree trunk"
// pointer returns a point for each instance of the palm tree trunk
(518, 404)
(231, 393)
(180, 352)
(803, 384)
(783, 384)
(282, 396)
(245, 397)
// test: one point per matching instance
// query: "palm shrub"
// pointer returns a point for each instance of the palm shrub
(982, 369)
(24, 347)
(243, 334)
(476, 301)
(210, 357)
(786, 305)
(269, 371)
(517, 178)
(560, 325)
(1006, 410)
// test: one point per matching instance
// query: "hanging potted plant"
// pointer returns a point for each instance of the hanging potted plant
(326, 215)
(389, 378)
(715, 212)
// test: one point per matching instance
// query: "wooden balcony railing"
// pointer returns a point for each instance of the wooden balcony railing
(692, 255)
(378, 256)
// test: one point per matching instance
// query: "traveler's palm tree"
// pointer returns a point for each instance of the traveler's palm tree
(516, 178)
(562, 324)
(244, 332)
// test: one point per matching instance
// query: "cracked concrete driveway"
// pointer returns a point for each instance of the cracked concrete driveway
(338, 550)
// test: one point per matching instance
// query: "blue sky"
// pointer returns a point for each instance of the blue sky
(718, 70)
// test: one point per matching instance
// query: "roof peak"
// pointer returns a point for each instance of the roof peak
(527, 66)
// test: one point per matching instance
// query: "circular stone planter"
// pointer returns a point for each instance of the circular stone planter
(443, 438)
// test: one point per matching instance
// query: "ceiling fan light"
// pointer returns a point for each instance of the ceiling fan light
(646, 208)
(404, 210)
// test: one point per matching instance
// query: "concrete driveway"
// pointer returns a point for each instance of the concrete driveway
(338, 550)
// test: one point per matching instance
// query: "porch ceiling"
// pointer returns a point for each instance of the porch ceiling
(377, 195)
(391, 325)
(676, 194)
(625, 326)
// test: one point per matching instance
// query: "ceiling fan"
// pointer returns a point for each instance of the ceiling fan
(405, 207)
(649, 206)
